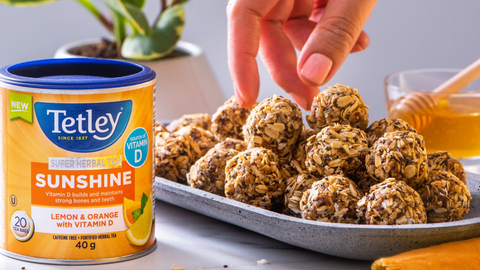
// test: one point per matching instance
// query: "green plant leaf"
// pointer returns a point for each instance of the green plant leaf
(132, 14)
(118, 28)
(25, 3)
(137, 3)
(165, 35)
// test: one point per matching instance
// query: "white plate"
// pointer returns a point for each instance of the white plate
(354, 241)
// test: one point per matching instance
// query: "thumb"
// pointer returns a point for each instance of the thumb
(337, 33)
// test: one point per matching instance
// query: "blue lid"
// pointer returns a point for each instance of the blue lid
(76, 73)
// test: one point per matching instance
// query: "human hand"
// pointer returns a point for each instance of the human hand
(324, 31)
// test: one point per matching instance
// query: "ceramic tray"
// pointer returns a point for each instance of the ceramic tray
(363, 242)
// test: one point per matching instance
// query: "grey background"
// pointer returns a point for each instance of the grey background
(404, 35)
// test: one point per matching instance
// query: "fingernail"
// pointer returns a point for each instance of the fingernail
(238, 95)
(316, 68)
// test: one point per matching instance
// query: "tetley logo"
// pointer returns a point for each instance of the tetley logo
(83, 127)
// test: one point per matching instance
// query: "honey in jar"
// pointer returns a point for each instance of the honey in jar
(453, 126)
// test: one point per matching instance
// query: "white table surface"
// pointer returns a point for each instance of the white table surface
(194, 241)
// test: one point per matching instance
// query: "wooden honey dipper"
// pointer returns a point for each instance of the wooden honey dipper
(418, 102)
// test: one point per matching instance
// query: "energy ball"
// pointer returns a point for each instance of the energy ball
(274, 124)
(208, 173)
(174, 154)
(400, 155)
(228, 120)
(380, 127)
(286, 169)
(202, 120)
(332, 199)
(299, 154)
(338, 149)
(296, 185)
(230, 143)
(253, 177)
(446, 198)
(338, 104)
(442, 160)
(204, 139)
(391, 202)
(364, 180)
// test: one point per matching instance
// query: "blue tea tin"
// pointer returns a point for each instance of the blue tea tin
(77, 161)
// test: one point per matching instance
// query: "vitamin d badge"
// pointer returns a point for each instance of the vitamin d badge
(77, 158)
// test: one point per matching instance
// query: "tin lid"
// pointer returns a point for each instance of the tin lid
(76, 73)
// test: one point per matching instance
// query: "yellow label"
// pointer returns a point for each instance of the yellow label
(77, 172)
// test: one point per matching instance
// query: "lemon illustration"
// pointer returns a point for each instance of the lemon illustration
(128, 207)
(139, 232)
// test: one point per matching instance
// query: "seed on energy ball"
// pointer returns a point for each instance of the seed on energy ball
(338, 104)
(337, 149)
(228, 120)
(203, 138)
(174, 154)
(442, 160)
(296, 185)
(299, 154)
(446, 198)
(391, 202)
(274, 124)
(160, 128)
(253, 177)
(380, 127)
(202, 120)
(208, 173)
(400, 155)
(332, 199)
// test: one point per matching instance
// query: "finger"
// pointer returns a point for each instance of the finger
(298, 26)
(333, 38)
(242, 45)
(279, 56)
(317, 13)
(304, 18)
(318, 10)
(299, 30)
(362, 43)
